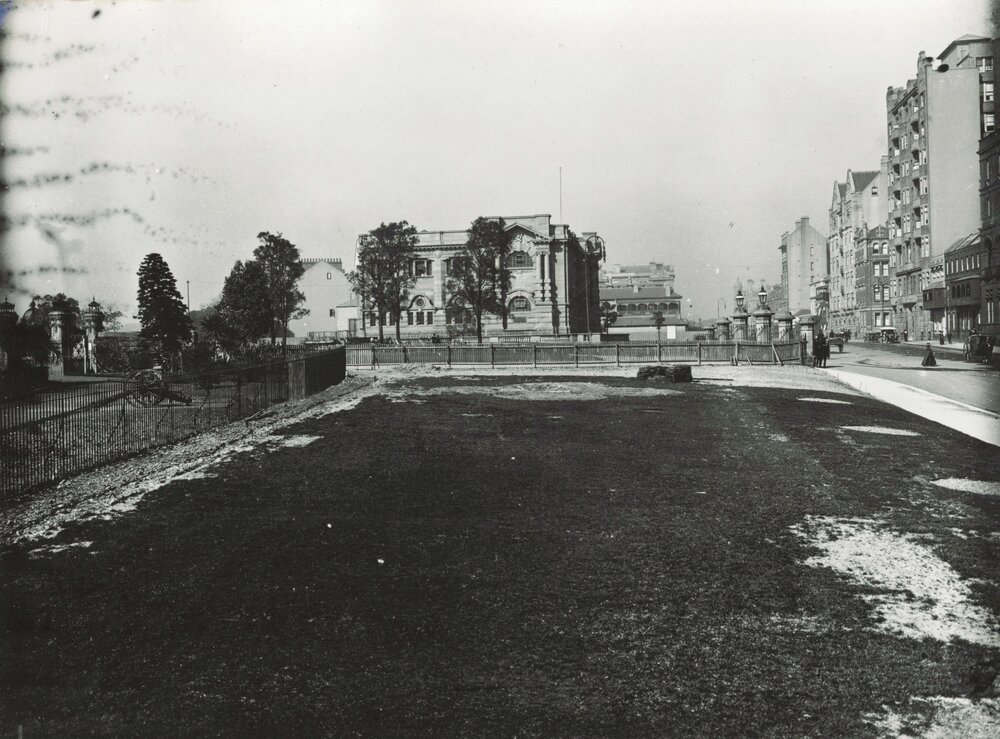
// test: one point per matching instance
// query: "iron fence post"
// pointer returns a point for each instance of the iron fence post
(699, 353)
(576, 355)
(618, 355)
(493, 355)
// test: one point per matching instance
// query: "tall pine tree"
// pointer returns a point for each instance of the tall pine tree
(162, 314)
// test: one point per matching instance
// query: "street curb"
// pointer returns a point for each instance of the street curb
(975, 422)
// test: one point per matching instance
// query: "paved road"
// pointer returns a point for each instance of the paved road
(973, 384)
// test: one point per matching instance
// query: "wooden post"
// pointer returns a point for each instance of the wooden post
(534, 355)
(493, 355)
(576, 355)
(699, 353)
(449, 355)
(618, 355)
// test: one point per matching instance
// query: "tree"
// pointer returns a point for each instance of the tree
(162, 314)
(479, 278)
(244, 314)
(282, 267)
(383, 270)
(658, 322)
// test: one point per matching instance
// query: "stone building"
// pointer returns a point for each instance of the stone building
(804, 268)
(989, 230)
(872, 280)
(935, 122)
(964, 262)
(554, 283)
(858, 202)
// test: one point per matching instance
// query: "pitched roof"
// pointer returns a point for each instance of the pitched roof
(862, 179)
(842, 188)
(963, 242)
(962, 39)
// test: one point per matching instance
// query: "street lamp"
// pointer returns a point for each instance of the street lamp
(739, 301)
(762, 295)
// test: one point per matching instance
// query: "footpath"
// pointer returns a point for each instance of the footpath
(976, 422)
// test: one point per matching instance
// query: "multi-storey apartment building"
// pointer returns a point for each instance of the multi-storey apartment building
(989, 197)
(554, 285)
(873, 284)
(857, 203)
(935, 123)
(804, 269)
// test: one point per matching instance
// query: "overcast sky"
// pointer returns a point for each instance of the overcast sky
(688, 133)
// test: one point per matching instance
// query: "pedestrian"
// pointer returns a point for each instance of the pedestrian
(820, 348)
(928, 360)
(947, 337)
(906, 335)
(941, 338)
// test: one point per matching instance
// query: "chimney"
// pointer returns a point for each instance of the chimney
(805, 221)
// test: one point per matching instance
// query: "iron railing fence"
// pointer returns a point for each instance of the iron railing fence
(72, 427)
(577, 354)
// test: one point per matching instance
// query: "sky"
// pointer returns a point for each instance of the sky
(692, 134)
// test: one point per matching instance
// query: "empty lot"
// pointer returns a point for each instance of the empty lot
(525, 556)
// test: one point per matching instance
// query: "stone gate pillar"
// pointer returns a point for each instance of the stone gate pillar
(57, 334)
(722, 329)
(92, 325)
(8, 320)
(807, 330)
(762, 320)
(740, 322)
(784, 326)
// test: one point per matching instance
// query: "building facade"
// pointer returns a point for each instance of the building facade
(654, 274)
(989, 232)
(554, 283)
(325, 287)
(963, 270)
(857, 202)
(935, 123)
(873, 281)
(804, 268)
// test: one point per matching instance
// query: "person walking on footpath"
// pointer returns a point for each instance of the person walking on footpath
(928, 360)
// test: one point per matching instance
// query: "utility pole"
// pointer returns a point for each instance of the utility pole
(189, 294)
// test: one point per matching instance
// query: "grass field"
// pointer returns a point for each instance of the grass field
(525, 556)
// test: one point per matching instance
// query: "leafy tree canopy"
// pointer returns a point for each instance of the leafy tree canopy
(479, 278)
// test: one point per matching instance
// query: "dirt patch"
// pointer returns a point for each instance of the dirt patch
(980, 487)
(824, 400)
(939, 717)
(880, 430)
(533, 391)
(922, 596)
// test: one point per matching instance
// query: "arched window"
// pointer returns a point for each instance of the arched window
(518, 260)
(642, 307)
(662, 306)
(519, 304)
(630, 308)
